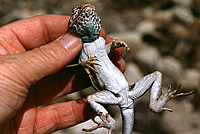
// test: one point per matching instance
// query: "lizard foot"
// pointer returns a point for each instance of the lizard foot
(172, 94)
(89, 62)
(106, 121)
(163, 99)
(120, 43)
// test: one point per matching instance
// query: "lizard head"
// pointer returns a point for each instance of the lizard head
(85, 22)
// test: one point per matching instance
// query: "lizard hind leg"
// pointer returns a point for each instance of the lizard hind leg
(95, 100)
(157, 98)
(128, 119)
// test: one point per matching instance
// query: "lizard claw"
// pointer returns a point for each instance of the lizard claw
(167, 109)
(121, 43)
(173, 94)
(106, 121)
(164, 98)
(90, 62)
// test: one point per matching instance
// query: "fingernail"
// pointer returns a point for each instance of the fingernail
(70, 41)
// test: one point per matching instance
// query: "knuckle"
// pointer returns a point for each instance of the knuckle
(48, 55)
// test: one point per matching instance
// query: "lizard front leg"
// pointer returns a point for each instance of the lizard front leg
(116, 44)
(88, 66)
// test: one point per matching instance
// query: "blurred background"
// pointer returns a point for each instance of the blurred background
(163, 35)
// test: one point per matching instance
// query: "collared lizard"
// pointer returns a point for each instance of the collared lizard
(107, 79)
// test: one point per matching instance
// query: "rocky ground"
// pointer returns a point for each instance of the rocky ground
(163, 35)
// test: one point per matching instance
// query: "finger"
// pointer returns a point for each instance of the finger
(62, 115)
(117, 52)
(120, 63)
(34, 32)
(29, 67)
(66, 81)
(103, 33)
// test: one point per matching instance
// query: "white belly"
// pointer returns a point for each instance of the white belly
(109, 74)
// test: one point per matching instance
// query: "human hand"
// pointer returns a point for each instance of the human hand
(31, 74)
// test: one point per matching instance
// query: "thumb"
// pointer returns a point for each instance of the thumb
(33, 65)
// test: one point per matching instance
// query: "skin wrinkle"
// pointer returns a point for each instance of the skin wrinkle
(45, 31)
(53, 115)
(17, 40)
(33, 66)
(47, 55)
(18, 78)
(56, 118)
(24, 125)
(24, 128)
(14, 85)
(13, 95)
(7, 44)
(37, 129)
(35, 124)
(7, 106)
(52, 34)
(44, 21)
(3, 50)
(77, 117)
(71, 117)
(29, 28)
(73, 111)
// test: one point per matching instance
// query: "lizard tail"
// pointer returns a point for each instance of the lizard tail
(128, 119)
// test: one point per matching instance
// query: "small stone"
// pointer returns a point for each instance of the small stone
(148, 56)
(179, 31)
(184, 116)
(132, 73)
(146, 26)
(129, 36)
(164, 16)
(185, 3)
(190, 79)
(170, 66)
(148, 13)
(184, 14)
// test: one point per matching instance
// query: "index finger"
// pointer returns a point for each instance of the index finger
(36, 31)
